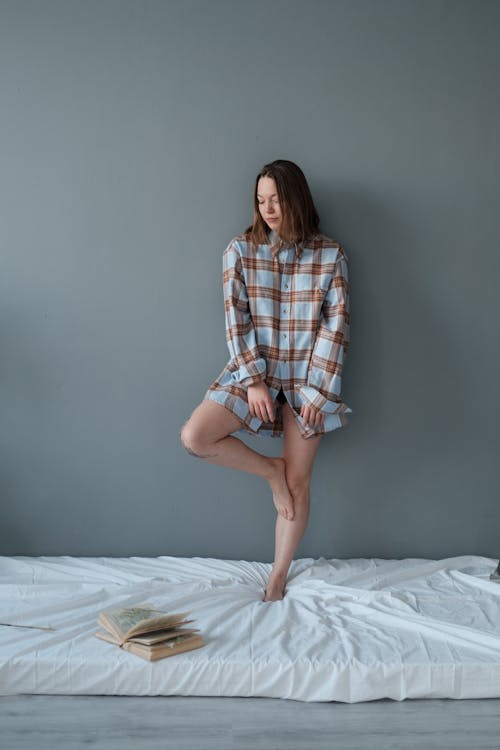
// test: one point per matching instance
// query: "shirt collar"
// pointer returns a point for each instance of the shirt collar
(278, 244)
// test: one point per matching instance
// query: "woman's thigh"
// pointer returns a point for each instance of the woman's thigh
(298, 452)
(208, 423)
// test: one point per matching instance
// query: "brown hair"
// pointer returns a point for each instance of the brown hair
(300, 220)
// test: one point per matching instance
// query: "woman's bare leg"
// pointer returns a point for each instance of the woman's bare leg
(206, 435)
(299, 454)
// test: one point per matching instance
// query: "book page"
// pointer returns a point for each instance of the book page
(131, 620)
(161, 636)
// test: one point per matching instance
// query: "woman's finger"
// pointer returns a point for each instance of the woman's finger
(265, 412)
(270, 410)
(251, 408)
(312, 417)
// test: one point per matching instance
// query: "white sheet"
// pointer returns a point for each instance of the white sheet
(347, 630)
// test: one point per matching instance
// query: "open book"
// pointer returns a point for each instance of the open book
(148, 632)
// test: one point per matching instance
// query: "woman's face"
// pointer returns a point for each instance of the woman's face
(269, 207)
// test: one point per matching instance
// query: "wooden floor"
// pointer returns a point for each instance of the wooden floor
(53, 722)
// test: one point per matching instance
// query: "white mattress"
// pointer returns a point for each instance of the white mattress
(347, 630)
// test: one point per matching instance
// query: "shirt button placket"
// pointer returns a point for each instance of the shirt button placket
(284, 338)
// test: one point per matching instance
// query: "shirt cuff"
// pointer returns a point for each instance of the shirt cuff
(252, 372)
(313, 397)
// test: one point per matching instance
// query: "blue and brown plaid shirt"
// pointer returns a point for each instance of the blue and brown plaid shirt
(287, 322)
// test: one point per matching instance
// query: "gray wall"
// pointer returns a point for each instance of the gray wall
(130, 137)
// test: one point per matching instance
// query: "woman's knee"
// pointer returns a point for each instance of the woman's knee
(298, 483)
(192, 438)
(201, 430)
(208, 423)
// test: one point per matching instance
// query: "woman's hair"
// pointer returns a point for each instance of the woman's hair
(300, 220)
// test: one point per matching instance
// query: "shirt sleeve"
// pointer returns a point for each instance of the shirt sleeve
(240, 332)
(324, 378)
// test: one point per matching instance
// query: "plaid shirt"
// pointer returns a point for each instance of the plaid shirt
(287, 323)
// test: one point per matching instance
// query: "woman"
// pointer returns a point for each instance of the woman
(286, 299)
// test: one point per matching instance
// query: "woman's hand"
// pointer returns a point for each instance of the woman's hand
(312, 417)
(260, 401)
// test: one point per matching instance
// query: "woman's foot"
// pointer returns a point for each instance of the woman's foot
(275, 587)
(282, 498)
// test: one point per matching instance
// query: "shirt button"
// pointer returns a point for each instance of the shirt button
(284, 309)
(284, 335)
(286, 286)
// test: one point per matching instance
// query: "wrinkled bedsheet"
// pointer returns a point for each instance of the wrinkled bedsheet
(348, 630)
